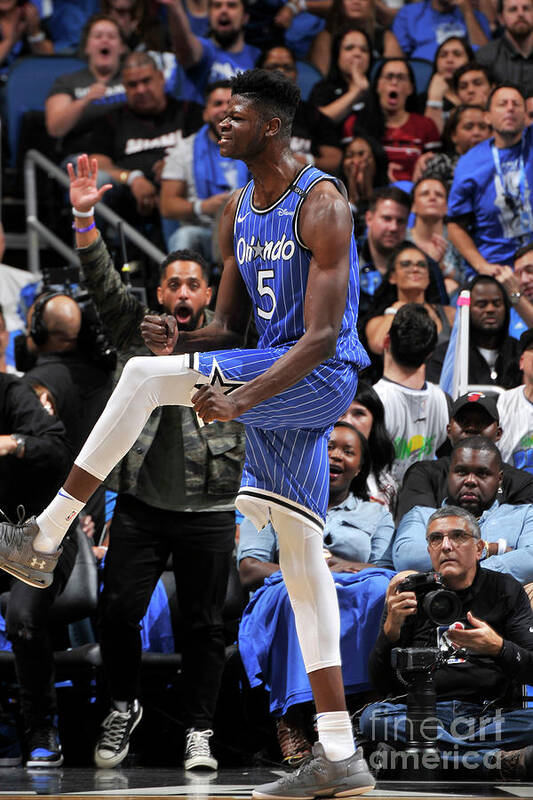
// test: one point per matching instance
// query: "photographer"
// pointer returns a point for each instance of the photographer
(477, 707)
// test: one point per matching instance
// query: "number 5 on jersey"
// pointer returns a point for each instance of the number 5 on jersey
(262, 276)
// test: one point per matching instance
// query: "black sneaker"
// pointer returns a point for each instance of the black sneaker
(114, 742)
(44, 748)
(197, 751)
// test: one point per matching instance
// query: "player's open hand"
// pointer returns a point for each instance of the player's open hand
(211, 404)
(160, 333)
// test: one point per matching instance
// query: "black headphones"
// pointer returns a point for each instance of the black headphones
(38, 329)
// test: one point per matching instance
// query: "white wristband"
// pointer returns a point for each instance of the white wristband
(293, 7)
(197, 208)
(502, 546)
(39, 37)
(135, 173)
(434, 103)
(83, 214)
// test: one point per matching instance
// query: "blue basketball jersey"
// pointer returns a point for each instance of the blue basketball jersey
(274, 264)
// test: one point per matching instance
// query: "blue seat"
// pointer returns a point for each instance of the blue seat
(28, 84)
(423, 71)
(306, 77)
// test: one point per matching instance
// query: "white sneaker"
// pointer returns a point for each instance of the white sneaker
(197, 750)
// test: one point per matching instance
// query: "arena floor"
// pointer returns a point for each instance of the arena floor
(226, 784)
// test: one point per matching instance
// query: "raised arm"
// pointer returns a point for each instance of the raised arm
(187, 46)
(325, 227)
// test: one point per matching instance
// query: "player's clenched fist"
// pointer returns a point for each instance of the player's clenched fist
(160, 333)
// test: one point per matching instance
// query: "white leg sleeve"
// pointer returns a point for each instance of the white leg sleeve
(311, 590)
(146, 383)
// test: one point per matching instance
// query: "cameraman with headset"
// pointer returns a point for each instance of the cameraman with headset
(480, 720)
(71, 370)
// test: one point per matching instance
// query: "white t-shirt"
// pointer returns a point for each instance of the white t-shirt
(179, 166)
(516, 419)
(416, 420)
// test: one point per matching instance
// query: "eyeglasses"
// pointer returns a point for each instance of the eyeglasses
(406, 263)
(395, 76)
(456, 537)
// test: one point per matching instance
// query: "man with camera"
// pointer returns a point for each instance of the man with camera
(474, 481)
(479, 658)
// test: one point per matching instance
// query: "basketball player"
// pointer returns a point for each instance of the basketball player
(289, 256)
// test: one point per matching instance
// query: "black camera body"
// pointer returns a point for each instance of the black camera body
(414, 659)
(439, 604)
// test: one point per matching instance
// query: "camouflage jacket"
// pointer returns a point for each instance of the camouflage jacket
(213, 454)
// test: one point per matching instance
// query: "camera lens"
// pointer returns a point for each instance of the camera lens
(442, 607)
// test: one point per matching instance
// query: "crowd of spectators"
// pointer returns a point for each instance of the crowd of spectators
(423, 112)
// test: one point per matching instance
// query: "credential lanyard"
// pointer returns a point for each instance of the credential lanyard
(521, 167)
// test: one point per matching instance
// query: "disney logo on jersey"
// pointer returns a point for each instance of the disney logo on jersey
(285, 212)
(269, 251)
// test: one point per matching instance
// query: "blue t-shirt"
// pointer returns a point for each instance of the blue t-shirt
(420, 29)
(517, 326)
(501, 215)
(216, 64)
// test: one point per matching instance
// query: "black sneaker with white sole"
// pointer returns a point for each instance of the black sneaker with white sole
(197, 750)
(44, 748)
(114, 742)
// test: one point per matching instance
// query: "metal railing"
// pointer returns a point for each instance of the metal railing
(37, 231)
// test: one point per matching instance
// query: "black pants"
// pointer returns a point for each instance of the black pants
(28, 629)
(141, 539)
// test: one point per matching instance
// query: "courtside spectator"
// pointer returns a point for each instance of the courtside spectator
(472, 83)
(440, 97)
(426, 483)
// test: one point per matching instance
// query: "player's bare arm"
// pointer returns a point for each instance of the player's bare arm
(232, 312)
(325, 228)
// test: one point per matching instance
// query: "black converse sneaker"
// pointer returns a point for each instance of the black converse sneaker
(114, 742)
(197, 751)
(44, 747)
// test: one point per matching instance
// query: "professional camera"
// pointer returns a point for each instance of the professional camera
(439, 604)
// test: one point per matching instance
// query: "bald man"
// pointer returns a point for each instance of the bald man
(65, 371)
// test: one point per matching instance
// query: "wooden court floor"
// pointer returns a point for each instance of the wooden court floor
(226, 784)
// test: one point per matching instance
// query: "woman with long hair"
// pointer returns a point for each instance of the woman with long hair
(366, 413)
(389, 115)
(440, 98)
(352, 12)
(363, 169)
(406, 281)
(347, 80)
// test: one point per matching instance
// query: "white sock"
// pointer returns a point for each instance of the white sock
(55, 521)
(335, 734)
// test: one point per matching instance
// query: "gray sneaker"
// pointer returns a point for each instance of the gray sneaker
(18, 557)
(319, 777)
